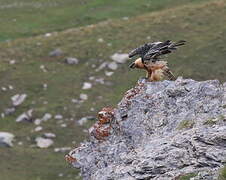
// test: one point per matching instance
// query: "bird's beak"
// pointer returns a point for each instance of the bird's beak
(133, 65)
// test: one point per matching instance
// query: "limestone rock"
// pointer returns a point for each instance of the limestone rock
(6, 139)
(160, 131)
(71, 60)
(26, 116)
(43, 142)
(18, 99)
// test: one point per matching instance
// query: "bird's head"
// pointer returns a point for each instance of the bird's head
(137, 64)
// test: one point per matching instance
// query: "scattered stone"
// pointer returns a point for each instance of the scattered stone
(43, 142)
(43, 68)
(71, 60)
(4, 89)
(2, 115)
(113, 66)
(56, 52)
(46, 117)
(48, 34)
(49, 135)
(63, 125)
(83, 97)
(12, 62)
(61, 175)
(58, 116)
(148, 37)
(26, 116)
(84, 120)
(18, 99)
(37, 121)
(62, 149)
(9, 111)
(86, 85)
(38, 128)
(20, 143)
(91, 78)
(45, 86)
(102, 66)
(109, 73)
(120, 58)
(92, 109)
(109, 44)
(125, 18)
(100, 80)
(10, 87)
(100, 40)
(6, 139)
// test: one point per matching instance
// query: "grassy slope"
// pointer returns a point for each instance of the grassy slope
(31, 17)
(203, 58)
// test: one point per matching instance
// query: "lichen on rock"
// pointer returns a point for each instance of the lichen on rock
(143, 141)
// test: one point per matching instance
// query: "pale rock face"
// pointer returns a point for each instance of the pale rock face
(18, 99)
(160, 131)
(43, 142)
(6, 139)
(120, 58)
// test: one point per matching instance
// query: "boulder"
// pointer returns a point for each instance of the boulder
(160, 131)
(6, 139)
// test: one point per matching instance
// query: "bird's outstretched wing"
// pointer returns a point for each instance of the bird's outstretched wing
(153, 51)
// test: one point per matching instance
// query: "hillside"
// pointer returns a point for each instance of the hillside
(203, 58)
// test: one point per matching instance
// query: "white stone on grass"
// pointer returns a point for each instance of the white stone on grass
(38, 128)
(62, 149)
(49, 135)
(46, 117)
(18, 99)
(6, 139)
(58, 116)
(71, 60)
(37, 121)
(86, 85)
(43, 142)
(109, 73)
(26, 116)
(83, 97)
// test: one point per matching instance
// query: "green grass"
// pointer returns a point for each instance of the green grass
(187, 176)
(222, 175)
(185, 124)
(27, 18)
(203, 58)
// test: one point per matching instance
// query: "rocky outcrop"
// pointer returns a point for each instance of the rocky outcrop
(160, 130)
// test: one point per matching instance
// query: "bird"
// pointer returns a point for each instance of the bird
(153, 51)
(156, 71)
(150, 59)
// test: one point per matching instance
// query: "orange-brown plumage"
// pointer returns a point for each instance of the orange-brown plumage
(155, 70)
